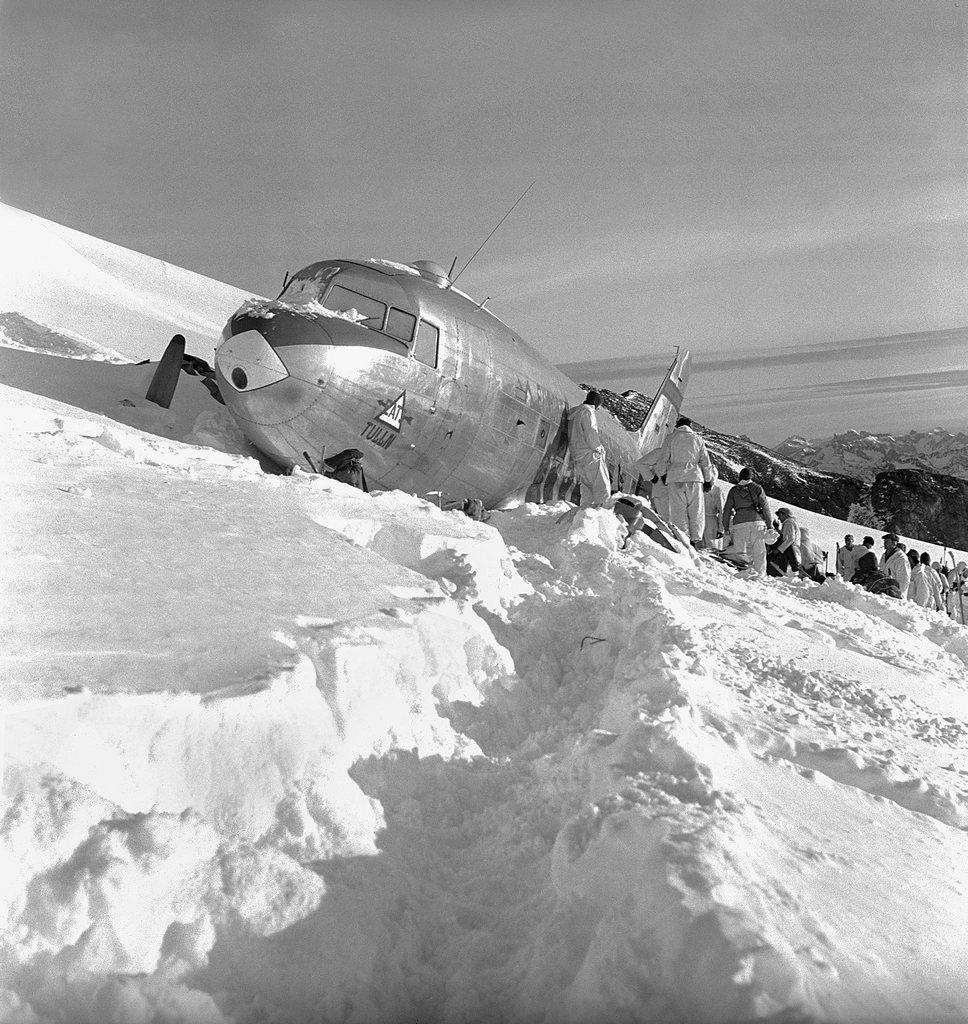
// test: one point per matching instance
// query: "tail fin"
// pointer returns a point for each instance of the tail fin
(665, 407)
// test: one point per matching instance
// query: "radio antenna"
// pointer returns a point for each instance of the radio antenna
(491, 235)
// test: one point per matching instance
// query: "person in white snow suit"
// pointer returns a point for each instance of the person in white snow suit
(660, 499)
(684, 465)
(811, 557)
(746, 517)
(847, 558)
(894, 562)
(925, 587)
(713, 508)
(958, 579)
(658, 492)
(944, 584)
(785, 553)
(588, 452)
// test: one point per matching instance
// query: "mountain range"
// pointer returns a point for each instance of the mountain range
(860, 454)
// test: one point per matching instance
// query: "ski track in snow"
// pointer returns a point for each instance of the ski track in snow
(279, 751)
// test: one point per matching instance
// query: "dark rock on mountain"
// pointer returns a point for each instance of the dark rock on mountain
(931, 506)
(828, 493)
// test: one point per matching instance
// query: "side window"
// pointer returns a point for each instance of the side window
(400, 325)
(425, 347)
(370, 312)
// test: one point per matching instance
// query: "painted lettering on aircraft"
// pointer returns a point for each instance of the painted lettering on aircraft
(378, 434)
(392, 415)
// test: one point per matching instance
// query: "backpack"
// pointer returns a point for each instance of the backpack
(350, 472)
(473, 508)
(347, 467)
(883, 584)
(751, 499)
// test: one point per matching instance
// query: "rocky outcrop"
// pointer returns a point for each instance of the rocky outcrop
(828, 493)
(931, 506)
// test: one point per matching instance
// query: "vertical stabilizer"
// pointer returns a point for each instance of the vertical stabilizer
(665, 407)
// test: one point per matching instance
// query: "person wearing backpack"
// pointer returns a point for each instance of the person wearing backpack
(746, 516)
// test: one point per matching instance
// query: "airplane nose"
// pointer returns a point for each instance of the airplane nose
(248, 362)
(252, 374)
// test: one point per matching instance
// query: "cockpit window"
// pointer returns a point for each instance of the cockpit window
(308, 285)
(400, 325)
(370, 313)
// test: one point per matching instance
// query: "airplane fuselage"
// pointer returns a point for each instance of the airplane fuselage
(438, 393)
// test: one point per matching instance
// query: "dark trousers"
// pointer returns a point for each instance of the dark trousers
(781, 560)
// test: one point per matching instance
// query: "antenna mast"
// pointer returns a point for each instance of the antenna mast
(491, 235)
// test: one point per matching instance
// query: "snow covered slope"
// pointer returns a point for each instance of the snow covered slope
(864, 455)
(277, 750)
(104, 294)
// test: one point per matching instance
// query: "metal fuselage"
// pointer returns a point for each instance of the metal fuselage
(438, 393)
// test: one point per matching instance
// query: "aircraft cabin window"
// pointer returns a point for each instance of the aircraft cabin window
(425, 347)
(400, 325)
(342, 300)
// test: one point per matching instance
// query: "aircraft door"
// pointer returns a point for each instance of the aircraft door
(433, 380)
(451, 391)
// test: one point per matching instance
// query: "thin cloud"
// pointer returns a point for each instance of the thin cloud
(647, 365)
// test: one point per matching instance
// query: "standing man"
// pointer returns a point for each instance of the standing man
(588, 452)
(847, 558)
(895, 563)
(684, 465)
(942, 578)
(746, 517)
(660, 499)
(925, 586)
(787, 548)
(658, 491)
(958, 578)
(713, 506)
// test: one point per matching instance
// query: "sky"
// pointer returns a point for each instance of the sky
(737, 178)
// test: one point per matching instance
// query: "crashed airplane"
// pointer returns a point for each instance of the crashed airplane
(440, 395)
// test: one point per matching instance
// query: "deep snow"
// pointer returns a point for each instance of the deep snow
(277, 750)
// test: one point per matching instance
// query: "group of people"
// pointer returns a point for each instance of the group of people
(682, 493)
(905, 574)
